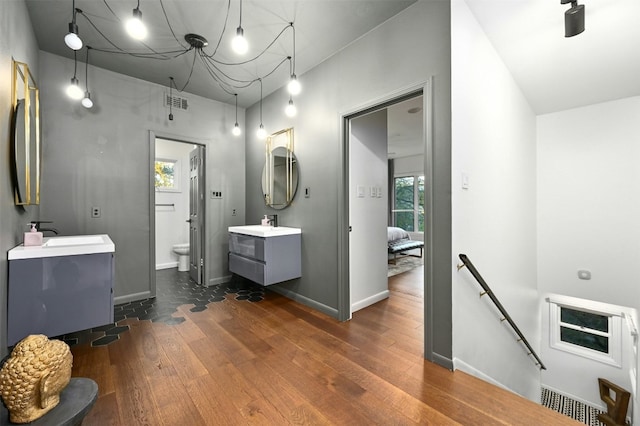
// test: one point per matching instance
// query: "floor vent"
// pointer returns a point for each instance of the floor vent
(176, 102)
(571, 408)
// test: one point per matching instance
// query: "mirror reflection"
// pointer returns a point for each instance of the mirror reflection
(25, 144)
(280, 172)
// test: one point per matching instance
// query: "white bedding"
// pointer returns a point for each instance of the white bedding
(394, 234)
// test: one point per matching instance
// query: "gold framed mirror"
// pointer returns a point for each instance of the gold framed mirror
(25, 133)
(280, 173)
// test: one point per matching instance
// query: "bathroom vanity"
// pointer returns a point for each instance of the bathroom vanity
(63, 286)
(264, 254)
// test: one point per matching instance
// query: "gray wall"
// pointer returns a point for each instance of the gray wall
(101, 157)
(17, 41)
(404, 51)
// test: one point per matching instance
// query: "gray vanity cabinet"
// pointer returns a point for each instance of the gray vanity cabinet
(265, 260)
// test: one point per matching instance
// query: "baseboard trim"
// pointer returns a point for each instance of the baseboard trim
(328, 310)
(458, 364)
(219, 280)
(361, 304)
(442, 361)
(167, 265)
(131, 297)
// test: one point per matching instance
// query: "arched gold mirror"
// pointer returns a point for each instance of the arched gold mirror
(280, 172)
(25, 132)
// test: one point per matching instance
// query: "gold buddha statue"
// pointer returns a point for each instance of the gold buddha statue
(33, 377)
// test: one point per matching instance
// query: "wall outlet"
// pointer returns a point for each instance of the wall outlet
(233, 212)
(95, 212)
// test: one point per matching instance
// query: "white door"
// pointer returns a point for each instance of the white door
(196, 214)
(368, 195)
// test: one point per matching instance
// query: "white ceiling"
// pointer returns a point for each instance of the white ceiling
(557, 73)
(322, 27)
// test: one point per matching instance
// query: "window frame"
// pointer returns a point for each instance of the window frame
(416, 200)
(614, 333)
(177, 173)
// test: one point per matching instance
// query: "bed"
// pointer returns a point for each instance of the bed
(399, 242)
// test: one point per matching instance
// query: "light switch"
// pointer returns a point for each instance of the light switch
(360, 191)
(465, 181)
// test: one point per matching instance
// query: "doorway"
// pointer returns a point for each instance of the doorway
(431, 332)
(177, 196)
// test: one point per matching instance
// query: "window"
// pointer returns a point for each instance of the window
(586, 328)
(408, 203)
(167, 175)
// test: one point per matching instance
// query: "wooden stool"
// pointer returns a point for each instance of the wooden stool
(616, 414)
(75, 402)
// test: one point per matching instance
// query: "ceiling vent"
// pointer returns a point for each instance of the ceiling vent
(177, 102)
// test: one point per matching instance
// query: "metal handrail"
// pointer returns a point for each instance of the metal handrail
(466, 262)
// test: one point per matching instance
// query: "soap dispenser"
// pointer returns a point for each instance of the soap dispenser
(265, 221)
(33, 237)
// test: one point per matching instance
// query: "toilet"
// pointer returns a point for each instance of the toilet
(182, 250)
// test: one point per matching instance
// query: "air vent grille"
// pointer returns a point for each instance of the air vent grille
(176, 102)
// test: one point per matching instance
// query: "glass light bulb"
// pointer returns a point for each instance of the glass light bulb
(135, 27)
(294, 86)
(236, 130)
(74, 91)
(86, 101)
(239, 44)
(291, 109)
(73, 41)
(262, 133)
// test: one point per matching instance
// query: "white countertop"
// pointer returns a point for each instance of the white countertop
(64, 246)
(264, 231)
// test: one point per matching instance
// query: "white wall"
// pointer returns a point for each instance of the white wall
(17, 41)
(101, 157)
(171, 225)
(368, 211)
(494, 220)
(588, 209)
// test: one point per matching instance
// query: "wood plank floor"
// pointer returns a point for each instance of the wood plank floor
(277, 362)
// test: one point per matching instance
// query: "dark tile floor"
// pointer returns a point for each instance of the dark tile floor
(173, 289)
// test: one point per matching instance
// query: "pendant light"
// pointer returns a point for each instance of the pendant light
(86, 101)
(73, 90)
(291, 109)
(135, 27)
(573, 18)
(236, 129)
(261, 133)
(239, 44)
(294, 85)
(170, 98)
(72, 40)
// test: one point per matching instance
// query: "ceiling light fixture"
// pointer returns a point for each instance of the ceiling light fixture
(291, 109)
(72, 40)
(135, 27)
(86, 101)
(573, 18)
(73, 90)
(239, 44)
(262, 133)
(171, 83)
(294, 85)
(236, 129)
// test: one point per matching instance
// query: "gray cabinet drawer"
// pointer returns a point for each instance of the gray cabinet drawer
(248, 268)
(247, 245)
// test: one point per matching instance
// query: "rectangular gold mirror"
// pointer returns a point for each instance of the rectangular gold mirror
(25, 134)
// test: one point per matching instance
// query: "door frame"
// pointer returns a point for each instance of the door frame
(152, 206)
(344, 303)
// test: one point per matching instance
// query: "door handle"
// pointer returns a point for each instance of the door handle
(188, 220)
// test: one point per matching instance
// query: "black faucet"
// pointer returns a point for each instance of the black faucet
(273, 220)
(43, 230)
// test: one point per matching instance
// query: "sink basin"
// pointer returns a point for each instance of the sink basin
(64, 246)
(264, 231)
(73, 241)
